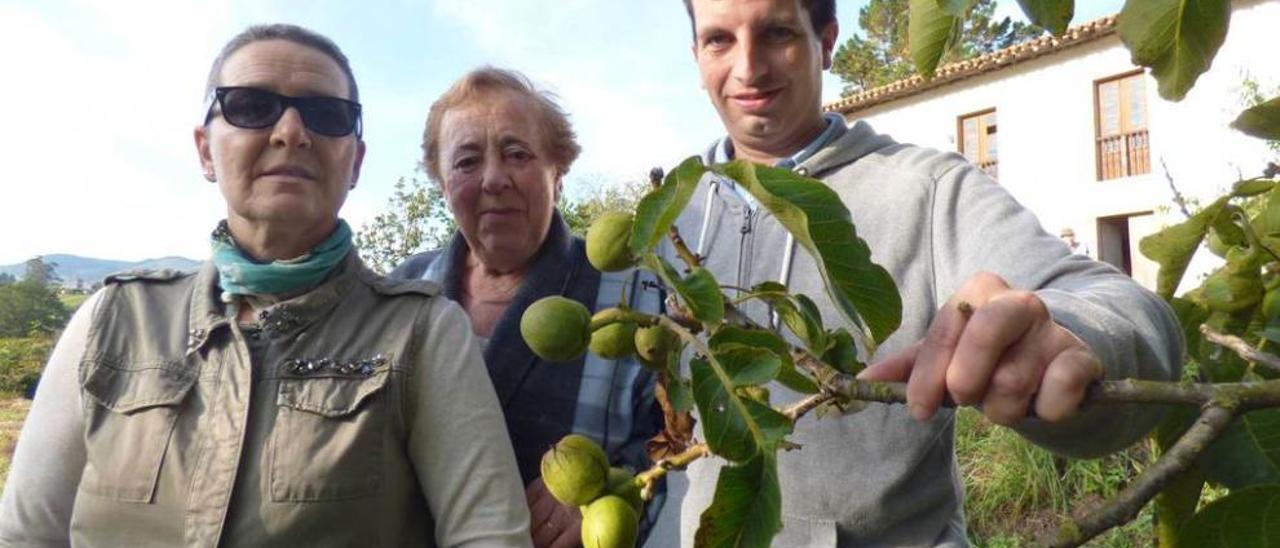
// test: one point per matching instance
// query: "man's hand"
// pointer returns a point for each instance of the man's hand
(1004, 353)
(553, 525)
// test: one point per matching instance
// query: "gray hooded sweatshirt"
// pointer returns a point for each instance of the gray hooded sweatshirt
(877, 477)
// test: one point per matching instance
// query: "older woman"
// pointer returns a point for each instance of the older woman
(284, 395)
(500, 150)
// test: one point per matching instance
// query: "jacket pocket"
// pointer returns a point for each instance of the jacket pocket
(129, 419)
(328, 438)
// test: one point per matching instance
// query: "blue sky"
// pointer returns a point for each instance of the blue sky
(100, 99)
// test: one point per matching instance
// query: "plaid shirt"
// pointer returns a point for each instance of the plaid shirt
(615, 403)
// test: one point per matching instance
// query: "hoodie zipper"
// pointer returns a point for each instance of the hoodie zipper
(744, 246)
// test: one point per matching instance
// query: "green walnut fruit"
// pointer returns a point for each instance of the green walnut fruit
(614, 341)
(575, 470)
(1271, 305)
(623, 485)
(556, 329)
(609, 522)
(654, 344)
(609, 242)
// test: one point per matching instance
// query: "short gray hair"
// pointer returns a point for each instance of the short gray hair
(289, 33)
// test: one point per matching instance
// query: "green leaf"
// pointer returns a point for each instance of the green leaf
(815, 216)
(699, 291)
(842, 354)
(787, 374)
(1253, 187)
(1248, 453)
(659, 208)
(1266, 224)
(1173, 247)
(1261, 121)
(774, 426)
(1177, 39)
(1245, 518)
(1176, 504)
(1190, 316)
(730, 430)
(1053, 15)
(801, 316)
(1237, 286)
(1217, 363)
(929, 33)
(746, 511)
(957, 8)
(747, 365)
(679, 393)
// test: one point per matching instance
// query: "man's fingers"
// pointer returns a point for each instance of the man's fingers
(1013, 385)
(1065, 383)
(927, 383)
(988, 337)
(569, 537)
(895, 368)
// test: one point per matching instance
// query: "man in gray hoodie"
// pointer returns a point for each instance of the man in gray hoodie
(1044, 325)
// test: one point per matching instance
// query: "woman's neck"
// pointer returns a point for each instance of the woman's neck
(487, 293)
(277, 241)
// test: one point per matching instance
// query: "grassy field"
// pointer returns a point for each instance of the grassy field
(12, 412)
(72, 302)
(1015, 492)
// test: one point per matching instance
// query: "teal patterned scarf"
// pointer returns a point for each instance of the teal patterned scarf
(238, 274)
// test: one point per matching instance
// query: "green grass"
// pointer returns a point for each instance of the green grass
(1016, 492)
(72, 302)
(13, 411)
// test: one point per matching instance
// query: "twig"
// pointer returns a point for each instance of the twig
(682, 249)
(649, 477)
(1246, 395)
(806, 405)
(1125, 506)
(1177, 196)
(1240, 347)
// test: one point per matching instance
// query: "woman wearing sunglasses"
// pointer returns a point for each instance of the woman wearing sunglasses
(284, 395)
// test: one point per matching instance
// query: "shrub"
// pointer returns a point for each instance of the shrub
(21, 361)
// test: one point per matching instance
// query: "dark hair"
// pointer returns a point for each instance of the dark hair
(821, 14)
(289, 33)
(561, 143)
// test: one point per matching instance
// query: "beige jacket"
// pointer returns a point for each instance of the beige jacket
(359, 414)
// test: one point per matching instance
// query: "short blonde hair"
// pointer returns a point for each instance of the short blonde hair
(561, 142)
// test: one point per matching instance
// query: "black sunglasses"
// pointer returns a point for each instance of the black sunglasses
(254, 108)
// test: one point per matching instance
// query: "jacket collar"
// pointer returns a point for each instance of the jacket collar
(208, 312)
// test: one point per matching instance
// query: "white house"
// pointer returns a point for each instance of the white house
(1083, 138)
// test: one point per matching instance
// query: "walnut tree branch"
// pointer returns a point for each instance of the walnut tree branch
(1241, 347)
(1125, 506)
(649, 478)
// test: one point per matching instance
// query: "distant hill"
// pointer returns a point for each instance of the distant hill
(73, 268)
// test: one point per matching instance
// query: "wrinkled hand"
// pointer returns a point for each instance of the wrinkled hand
(553, 525)
(1007, 354)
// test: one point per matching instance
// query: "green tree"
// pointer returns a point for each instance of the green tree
(41, 272)
(416, 219)
(28, 308)
(881, 54)
(6, 278)
(602, 198)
